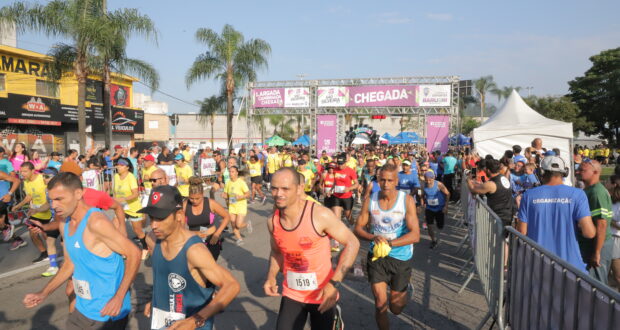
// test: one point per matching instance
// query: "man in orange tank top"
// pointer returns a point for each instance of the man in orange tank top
(300, 232)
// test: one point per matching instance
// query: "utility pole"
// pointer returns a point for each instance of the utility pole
(529, 90)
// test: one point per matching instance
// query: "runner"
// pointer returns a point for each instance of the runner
(328, 181)
(236, 192)
(147, 172)
(183, 172)
(309, 177)
(182, 267)
(273, 164)
(8, 186)
(434, 199)
(346, 183)
(199, 216)
(34, 186)
(256, 178)
(126, 193)
(393, 221)
(94, 252)
(300, 232)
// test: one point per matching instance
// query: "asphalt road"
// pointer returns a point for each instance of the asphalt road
(435, 303)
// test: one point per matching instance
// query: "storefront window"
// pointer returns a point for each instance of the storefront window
(46, 88)
(2, 82)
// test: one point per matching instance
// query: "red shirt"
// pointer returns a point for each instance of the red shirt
(344, 179)
(98, 199)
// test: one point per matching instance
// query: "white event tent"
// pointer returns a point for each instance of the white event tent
(517, 123)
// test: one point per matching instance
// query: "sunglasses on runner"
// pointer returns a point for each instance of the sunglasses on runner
(155, 180)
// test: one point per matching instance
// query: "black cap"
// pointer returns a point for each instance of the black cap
(341, 159)
(301, 162)
(163, 201)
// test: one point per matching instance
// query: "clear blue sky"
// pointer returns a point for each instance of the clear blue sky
(542, 44)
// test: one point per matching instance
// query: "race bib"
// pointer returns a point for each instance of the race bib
(144, 200)
(253, 172)
(125, 206)
(433, 202)
(328, 190)
(302, 281)
(82, 289)
(232, 200)
(161, 319)
(339, 189)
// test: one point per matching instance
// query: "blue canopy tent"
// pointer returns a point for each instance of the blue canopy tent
(303, 140)
(408, 137)
(460, 140)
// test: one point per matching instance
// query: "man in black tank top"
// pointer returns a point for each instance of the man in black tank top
(497, 191)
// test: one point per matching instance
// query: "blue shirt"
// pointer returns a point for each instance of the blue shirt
(408, 182)
(519, 158)
(434, 166)
(6, 167)
(552, 214)
(134, 163)
(54, 164)
(448, 164)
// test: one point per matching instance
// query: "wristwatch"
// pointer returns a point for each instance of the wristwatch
(199, 321)
(336, 284)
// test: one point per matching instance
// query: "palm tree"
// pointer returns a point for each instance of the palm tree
(75, 20)
(118, 27)
(229, 59)
(484, 85)
(209, 107)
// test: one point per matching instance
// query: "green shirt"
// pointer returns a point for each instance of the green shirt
(600, 209)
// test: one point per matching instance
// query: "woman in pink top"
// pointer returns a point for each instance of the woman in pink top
(35, 159)
(19, 156)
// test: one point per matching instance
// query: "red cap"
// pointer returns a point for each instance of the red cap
(118, 146)
(149, 157)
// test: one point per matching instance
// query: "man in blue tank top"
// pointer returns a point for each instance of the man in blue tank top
(434, 199)
(182, 265)
(393, 221)
(93, 251)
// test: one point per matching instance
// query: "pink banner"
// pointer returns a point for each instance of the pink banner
(327, 133)
(382, 96)
(268, 98)
(437, 130)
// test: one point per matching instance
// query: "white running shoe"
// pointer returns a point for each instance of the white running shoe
(50, 272)
(7, 233)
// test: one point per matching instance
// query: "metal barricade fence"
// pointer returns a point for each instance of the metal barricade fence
(546, 292)
(488, 244)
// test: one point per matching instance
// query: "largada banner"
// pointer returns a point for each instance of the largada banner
(367, 96)
(296, 97)
(437, 129)
(327, 133)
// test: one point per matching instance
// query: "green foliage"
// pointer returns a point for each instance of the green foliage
(484, 85)
(597, 94)
(560, 108)
(468, 125)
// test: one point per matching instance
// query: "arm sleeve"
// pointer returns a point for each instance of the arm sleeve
(525, 201)
(582, 208)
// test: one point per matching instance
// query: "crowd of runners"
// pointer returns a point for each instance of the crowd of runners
(168, 197)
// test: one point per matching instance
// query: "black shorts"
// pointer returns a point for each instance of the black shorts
(431, 216)
(396, 273)
(345, 203)
(256, 179)
(4, 209)
(293, 315)
(51, 233)
(77, 321)
(107, 177)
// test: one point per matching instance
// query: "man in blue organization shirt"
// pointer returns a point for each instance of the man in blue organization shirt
(550, 214)
(408, 180)
(449, 167)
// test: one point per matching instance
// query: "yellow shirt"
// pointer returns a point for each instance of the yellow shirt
(36, 189)
(123, 188)
(148, 172)
(186, 155)
(352, 163)
(309, 175)
(606, 152)
(286, 160)
(255, 169)
(309, 198)
(326, 160)
(273, 163)
(586, 152)
(232, 189)
(183, 174)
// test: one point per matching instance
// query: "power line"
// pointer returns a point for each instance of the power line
(170, 96)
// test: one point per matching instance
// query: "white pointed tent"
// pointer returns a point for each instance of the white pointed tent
(517, 123)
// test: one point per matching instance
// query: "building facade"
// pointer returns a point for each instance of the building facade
(43, 115)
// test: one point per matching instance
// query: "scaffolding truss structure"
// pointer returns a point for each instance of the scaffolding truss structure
(313, 110)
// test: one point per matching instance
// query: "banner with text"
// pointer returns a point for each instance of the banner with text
(327, 133)
(437, 130)
(367, 96)
(434, 95)
(297, 97)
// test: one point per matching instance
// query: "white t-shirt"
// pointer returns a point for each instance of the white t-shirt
(616, 218)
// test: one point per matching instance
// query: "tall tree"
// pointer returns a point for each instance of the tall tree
(209, 107)
(560, 108)
(483, 86)
(118, 26)
(75, 20)
(597, 94)
(229, 59)
(469, 124)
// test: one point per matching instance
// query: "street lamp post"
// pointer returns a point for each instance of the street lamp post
(529, 90)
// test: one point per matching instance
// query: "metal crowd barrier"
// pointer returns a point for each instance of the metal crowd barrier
(487, 241)
(546, 292)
